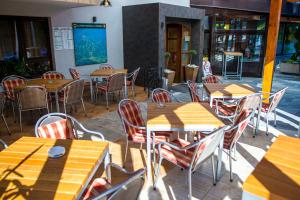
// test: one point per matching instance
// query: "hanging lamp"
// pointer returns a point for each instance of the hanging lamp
(105, 3)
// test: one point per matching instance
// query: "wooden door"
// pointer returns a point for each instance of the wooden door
(174, 36)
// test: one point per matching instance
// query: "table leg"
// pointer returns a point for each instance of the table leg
(219, 164)
(91, 89)
(107, 166)
(56, 99)
(148, 157)
(211, 99)
(258, 118)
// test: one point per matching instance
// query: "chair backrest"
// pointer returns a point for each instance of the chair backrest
(115, 82)
(130, 114)
(211, 79)
(135, 75)
(251, 102)
(74, 73)
(53, 75)
(56, 126)
(207, 146)
(276, 98)
(32, 97)
(2, 102)
(10, 82)
(206, 68)
(105, 66)
(240, 123)
(73, 92)
(193, 91)
(160, 95)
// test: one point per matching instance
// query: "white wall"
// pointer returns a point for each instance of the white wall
(64, 17)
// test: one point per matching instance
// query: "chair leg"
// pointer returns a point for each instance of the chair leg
(190, 183)
(83, 107)
(13, 109)
(3, 118)
(126, 150)
(267, 124)
(106, 97)
(213, 169)
(230, 165)
(275, 120)
(157, 171)
(20, 114)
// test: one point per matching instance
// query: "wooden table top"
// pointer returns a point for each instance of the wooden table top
(182, 115)
(277, 176)
(28, 173)
(228, 89)
(51, 85)
(107, 72)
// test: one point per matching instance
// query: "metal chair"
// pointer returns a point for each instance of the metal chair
(74, 73)
(193, 89)
(105, 66)
(114, 84)
(267, 108)
(53, 75)
(134, 125)
(188, 155)
(130, 80)
(72, 94)
(130, 188)
(211, 79)
(32, 98)
(3, 144)
(2, 105)
(62, 126)
(160, 95)
(8, 84)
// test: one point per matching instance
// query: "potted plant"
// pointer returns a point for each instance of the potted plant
(168, 74)
(291, 66)
(191, 71)
(167, 58)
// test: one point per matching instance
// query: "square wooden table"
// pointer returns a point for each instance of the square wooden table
(104, 73)
(53, 86)
(181, 117)
(277, 175)
(28, 173)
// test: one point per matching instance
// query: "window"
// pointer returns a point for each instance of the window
(292, 38)
(8, 41)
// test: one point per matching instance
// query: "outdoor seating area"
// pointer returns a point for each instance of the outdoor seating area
(149, 100)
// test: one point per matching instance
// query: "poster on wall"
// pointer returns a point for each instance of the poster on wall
(89, 43)
(63, 38)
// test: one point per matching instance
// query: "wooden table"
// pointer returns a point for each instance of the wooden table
(53, 86)
(181, 117)
(277, 176)
(104, 73)
(28, 173)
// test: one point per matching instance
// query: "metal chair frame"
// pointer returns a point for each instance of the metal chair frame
(21, 105)
(3, 144)
(272, 107)
(133, 75)
(73, 93)
(111, 193)
(53, 72)
(2, 105)
(171, 96)
(216, 138)
(53, 117)
(114, 84)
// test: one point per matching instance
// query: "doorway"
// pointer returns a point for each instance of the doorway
(178, 44)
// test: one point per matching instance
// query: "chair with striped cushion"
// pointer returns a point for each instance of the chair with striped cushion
(53, 75)
(8, 84)
(211, 79)
(74, 73)
(160, 95)
(105, 66)
(62, 126)
(2, 105)
(130, 188)
(193, 89)
(113, 84)
(130, 80)
(134, 125)
(188, 155)
(268, 108)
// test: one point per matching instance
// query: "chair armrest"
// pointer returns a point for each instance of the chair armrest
(177, 147)
(176, 99)
(3, 144)
(132, 125)
(90, 131)
(129, 75)
(120, 168)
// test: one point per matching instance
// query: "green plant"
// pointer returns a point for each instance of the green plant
(21, 68)
(293, 59)
(192, 53)
(167, 57)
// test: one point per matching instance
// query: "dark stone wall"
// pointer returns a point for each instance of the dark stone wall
(144, 34)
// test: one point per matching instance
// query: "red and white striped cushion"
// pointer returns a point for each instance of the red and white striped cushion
(128, 83)
(75, 74)
(265, 107)
(9, 86)
(233, 135)
(194, 92)
(97, 187)
(211, 79)
(161, 96)
(61, 129)
(141, 136)
(53, 75)
(102, 87)
(181, 158)
(225, 109)
(106, 67)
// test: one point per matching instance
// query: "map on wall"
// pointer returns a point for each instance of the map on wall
(89, 43)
